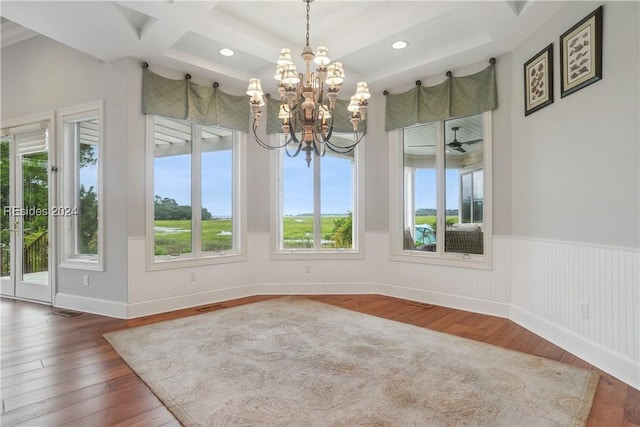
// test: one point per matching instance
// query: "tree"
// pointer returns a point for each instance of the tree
(342, 233)
(88, 221)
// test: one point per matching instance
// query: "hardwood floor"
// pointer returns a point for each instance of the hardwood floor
(60, 370)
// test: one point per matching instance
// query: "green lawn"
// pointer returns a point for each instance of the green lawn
(174, 237)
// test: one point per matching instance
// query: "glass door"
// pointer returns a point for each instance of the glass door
(26, 212)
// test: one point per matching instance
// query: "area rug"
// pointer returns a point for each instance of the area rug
(292, 361)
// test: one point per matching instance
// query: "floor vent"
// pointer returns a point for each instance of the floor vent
(67, 313)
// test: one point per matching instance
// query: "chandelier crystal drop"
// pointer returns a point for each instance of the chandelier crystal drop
(308, 101)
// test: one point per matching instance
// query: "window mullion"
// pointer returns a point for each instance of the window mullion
(317, 204)
(196, 190)
(441, 214)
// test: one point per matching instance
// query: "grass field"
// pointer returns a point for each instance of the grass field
(174, 237)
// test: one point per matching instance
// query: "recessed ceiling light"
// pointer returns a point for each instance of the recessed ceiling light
(400, 44)
(226, 52)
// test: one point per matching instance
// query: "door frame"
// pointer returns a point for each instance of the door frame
(53, 192)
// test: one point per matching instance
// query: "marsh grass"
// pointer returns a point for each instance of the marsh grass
(173, 237)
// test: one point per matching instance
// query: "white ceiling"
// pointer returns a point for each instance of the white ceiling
(186, 35)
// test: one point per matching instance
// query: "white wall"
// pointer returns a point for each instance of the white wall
(575, 162)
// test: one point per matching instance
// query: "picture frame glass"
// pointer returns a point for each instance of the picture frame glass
(537, 77)
(578, 54)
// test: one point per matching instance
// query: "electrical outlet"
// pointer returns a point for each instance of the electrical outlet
(584, 310)
(193, 277)
(86, 280)
(307, 268)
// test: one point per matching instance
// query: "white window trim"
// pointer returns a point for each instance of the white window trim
(239, 209)
(396, 206)
(68, 186)
(357, 252)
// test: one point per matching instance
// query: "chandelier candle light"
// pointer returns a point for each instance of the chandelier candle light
(307, 102)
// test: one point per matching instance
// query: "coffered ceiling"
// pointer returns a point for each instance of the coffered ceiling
(187, 35)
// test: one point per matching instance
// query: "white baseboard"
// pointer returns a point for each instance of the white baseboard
(163, 305)
(91, 305)
(475, 305)
(615, 364)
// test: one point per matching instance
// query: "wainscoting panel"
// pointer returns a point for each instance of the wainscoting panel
(585, 298)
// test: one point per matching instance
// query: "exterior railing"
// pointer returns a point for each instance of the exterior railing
(36, 255)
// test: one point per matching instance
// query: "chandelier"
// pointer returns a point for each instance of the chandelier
(308, 101)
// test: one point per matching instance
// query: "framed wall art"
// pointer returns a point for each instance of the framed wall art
(581, 54)
(538, 81)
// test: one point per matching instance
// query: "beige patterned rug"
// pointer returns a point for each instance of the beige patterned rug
(295, 362)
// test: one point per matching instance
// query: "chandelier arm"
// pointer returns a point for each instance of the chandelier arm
(296, 152)
(265, 144)
(339, 148)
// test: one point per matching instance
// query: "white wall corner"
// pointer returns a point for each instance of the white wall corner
(92, 305)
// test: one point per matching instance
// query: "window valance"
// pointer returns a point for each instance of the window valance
(182, 99)
(341, 116)
(455, 97)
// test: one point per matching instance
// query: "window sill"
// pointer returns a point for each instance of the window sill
(170, 263)
(480, 262)
(304, 254)
(82, 263)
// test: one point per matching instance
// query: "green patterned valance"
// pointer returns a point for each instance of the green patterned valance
(455, 97)
(182, 99)
(341, 116)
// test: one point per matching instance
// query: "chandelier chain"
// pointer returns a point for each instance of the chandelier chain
(308, 11)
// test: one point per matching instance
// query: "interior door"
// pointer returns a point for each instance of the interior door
(26, 218)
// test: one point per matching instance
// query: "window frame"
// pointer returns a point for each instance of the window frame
(277, 182)
(68, 119)
(239, 211)
(397, 203)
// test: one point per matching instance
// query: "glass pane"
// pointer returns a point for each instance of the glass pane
(35, 225)
(464, 156)
(336, 187)
(5, 217)
(88, 191)
(420, 188)
(466, 198)
(297, 203)
(478, 197)
(217, 189)
(172, 187)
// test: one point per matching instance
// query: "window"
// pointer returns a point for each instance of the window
(441, 211)
(317, 204)
(195, 201)
(81, 209)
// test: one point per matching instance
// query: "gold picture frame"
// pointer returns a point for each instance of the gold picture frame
(538, 81)
(581, 54)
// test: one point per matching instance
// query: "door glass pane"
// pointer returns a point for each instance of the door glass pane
(420, 188)
(217, 189)
(35, 204)
(336, 195)
(464, 156)
(172, 187)
(5, 218)
(297, 203)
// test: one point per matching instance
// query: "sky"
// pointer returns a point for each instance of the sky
(172, 179)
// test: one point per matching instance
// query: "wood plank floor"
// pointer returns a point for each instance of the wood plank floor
(60, 370)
